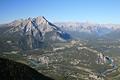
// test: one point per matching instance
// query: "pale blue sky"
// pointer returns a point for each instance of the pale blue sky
(100, 11)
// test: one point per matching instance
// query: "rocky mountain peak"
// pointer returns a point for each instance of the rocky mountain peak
(29, 18)
(29, 23)
(41, 20)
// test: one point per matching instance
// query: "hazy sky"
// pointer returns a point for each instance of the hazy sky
(100, 11)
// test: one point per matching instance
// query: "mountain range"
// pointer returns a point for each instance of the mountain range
(38, 32)
(90, 30)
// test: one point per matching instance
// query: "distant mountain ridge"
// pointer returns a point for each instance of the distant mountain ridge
(86, 26)
(89, 29)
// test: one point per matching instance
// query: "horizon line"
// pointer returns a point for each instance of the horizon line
(62, 21)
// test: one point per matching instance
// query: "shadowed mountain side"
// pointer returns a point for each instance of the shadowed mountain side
(10, 70)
